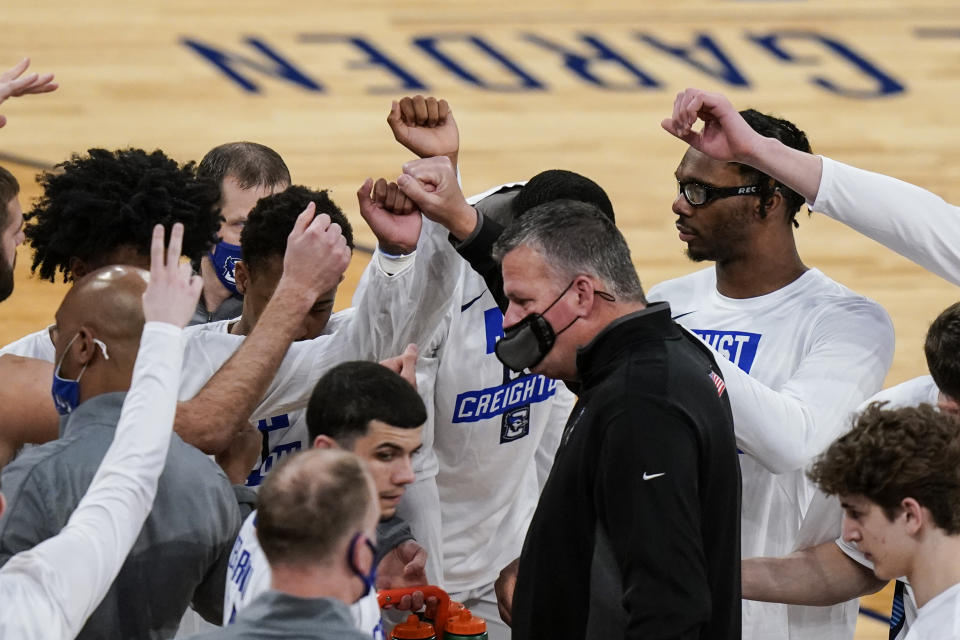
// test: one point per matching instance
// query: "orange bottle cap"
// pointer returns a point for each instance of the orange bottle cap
(413, 629)
(464, 623)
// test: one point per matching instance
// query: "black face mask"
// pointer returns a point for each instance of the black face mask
(526, 343)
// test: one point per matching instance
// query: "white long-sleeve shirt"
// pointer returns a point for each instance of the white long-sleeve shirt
(289, 389)
(360, 334)
(494, 433)
(284, 433)
(912, 221)
(796, 363)
(51, 590)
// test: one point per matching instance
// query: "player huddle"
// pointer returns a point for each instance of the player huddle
(502, 411)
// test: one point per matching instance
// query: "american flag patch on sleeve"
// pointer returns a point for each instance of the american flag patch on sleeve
(718, 383)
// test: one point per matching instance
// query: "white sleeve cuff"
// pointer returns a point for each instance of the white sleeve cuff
(392, 265)
(827, 170)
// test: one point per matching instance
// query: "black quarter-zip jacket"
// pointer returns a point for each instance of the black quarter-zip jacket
(637, 532)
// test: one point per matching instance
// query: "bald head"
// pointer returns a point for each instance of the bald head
(312, 505)
(97, 333)
(109, 301)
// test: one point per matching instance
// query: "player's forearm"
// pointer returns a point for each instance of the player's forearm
(209, 421)
(755, 407)
(461, 222)
(905, 218)
(798, 170)
(407, 307)
(851, 349)
(29, 416)
(820, 576)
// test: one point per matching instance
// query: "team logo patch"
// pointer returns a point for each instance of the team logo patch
(229, 266)
(718, 383)
(516, 424)
(739, 347)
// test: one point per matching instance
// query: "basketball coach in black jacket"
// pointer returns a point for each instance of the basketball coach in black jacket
(637, 532)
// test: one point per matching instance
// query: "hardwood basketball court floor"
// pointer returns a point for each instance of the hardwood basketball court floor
(533, 85)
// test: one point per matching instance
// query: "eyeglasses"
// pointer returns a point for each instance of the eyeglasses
(700, 194)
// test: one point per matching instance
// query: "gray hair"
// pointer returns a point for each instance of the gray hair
(576, 238)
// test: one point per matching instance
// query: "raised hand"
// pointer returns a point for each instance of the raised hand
(173, 290)
(432, 185)
(317, 255)
(391, 215)
(425, 126)
(725, 134)
(12, 84)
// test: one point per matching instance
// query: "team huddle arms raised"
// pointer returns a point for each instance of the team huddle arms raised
(502, 411)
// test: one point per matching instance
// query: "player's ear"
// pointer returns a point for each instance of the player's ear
(242, 276)
(84, 346)
(3, 504)
(78, 268)
(773, 202)
(325, 442)
(946, 404)
(775, 199)
(915, 516)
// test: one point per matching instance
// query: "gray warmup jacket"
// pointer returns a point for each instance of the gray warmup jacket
(182, 552)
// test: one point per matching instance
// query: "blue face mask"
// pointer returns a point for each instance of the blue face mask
(225, 257)
(369, 579)
(66, 393)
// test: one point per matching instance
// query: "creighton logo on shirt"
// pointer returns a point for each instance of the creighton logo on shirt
(740, 347)
(510, 400)
(472, 406)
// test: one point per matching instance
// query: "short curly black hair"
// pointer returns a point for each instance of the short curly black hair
(264, 236)
(790, 135)
(104, 200)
